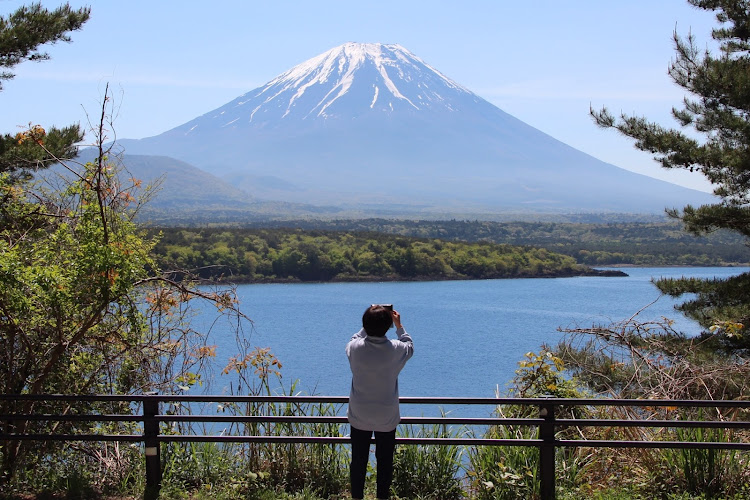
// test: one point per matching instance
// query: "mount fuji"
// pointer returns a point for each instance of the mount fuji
(369, 126)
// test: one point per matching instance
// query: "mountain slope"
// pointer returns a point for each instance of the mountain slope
(367, 125)
(179, 184)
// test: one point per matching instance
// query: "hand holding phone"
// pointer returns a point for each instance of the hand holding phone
(396, 319)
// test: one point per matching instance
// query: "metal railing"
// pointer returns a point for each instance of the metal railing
(547, 423)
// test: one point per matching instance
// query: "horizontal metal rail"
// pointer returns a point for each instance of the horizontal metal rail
(546, 423)
(304, 419)
(218, 398)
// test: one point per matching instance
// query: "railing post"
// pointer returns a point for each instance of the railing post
(547, 452)
(151, 442)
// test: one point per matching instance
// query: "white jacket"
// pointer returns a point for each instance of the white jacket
(375, 363)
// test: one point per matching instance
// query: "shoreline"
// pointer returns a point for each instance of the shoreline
(591, 272)
(600, 271)
(639, 266)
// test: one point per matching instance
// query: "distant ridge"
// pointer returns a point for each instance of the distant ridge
(366, 126)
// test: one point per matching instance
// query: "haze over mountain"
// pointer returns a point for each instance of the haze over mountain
(184, 193)
(368, 125)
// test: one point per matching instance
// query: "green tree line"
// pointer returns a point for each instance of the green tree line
(297, 255)
(612, 244)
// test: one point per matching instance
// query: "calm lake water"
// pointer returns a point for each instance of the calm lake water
(468, 335)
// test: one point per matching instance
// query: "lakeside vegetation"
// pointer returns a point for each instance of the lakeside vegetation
(269, 471)
(258, 255)
(592, 244)
(370, 249)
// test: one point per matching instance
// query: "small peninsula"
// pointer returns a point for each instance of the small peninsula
(295, 255)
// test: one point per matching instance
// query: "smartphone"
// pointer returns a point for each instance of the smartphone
(388, 307)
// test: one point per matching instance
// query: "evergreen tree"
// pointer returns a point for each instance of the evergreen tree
(22, 34)
(714, 140)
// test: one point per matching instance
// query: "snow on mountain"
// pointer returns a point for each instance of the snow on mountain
(341, 64)
(369, 124)
(347, 81)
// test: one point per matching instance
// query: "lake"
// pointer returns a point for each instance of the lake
(468, 335)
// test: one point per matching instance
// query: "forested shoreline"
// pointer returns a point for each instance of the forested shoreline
(592, 244)
(289, 255)
(380, 249)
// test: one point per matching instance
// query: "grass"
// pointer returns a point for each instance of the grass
(292, 471)
(428, 471)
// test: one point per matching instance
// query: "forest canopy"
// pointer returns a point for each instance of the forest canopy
(591, 244)
(244, 255)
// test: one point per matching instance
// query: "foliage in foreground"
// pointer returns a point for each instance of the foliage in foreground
(301, 471)
(85, 308)
(713, 140)
(636, 360)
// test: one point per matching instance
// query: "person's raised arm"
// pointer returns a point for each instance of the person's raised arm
(400, 331)
(397, 319)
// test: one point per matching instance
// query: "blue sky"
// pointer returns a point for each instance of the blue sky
(545, 62)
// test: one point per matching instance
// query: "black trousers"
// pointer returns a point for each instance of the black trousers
(385, 444)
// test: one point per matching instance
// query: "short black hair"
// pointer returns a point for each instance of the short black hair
(377, 320)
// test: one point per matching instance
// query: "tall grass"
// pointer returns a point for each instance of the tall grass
(299, 471)
(81, 470)
(252, 467)
(322, 467)
(711, 473)
(504, 472)
(428, 471)
(658, 472)
(292, 467)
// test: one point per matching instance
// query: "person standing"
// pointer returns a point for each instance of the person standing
(375, 362)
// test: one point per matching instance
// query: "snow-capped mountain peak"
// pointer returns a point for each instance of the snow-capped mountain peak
(349, 80)
(367, 125)
(339, 66)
